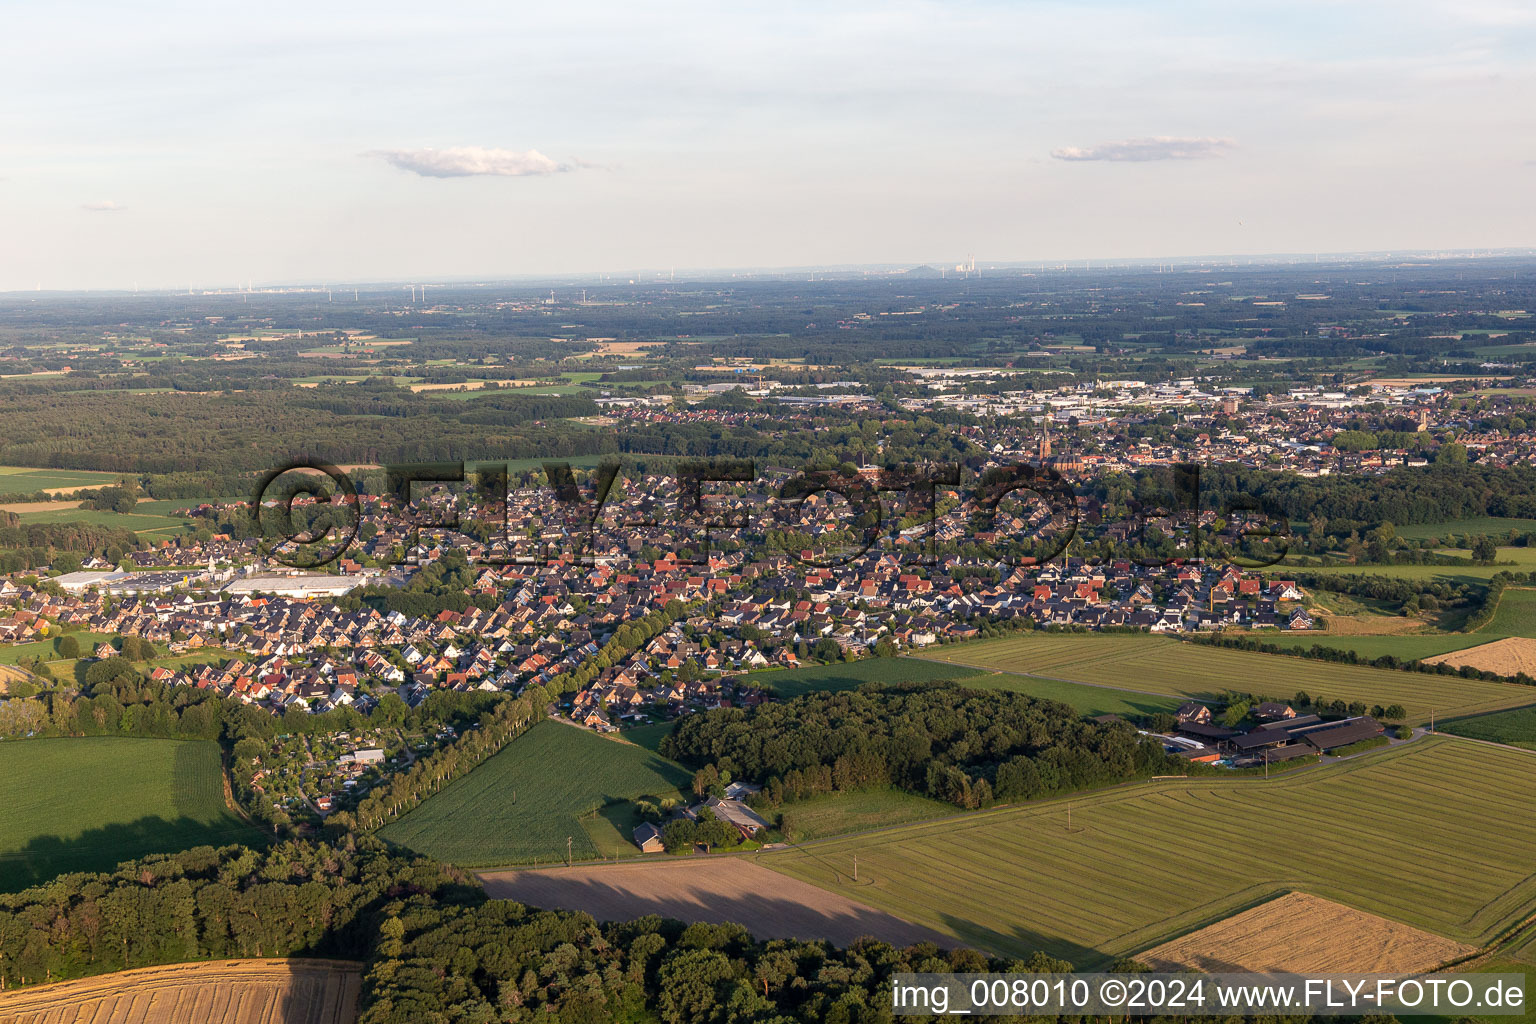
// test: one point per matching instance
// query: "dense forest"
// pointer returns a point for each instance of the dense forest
(255, 431)
(967, 747)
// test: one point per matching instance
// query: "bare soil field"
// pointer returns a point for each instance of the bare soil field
(716, 890)
(1369, 625)
(465, 386)
(1506, 657)
(221, 992)
(40, 506)
(1306, 934)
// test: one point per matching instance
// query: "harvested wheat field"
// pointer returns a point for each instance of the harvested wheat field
(1506, 657)
(221, 992)
(715, 890)
(1301, 933)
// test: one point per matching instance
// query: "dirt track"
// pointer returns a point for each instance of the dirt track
(221, 992)
(1301, 933)
(717, 890)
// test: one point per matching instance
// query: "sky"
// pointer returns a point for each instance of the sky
(177, 145)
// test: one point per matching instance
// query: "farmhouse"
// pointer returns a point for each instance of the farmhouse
(738, 814)
(1304, 734)
(1190, 711)
(648, 838)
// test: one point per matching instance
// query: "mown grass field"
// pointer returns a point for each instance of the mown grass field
(1172, 667)
(521, 805)
(86, 804)
(1436, 834)
(840, 813)
(1088, 700)
(793, 682)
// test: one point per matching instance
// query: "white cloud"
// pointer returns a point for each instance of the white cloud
(1158, 147)
(462, 161)
(101, 206)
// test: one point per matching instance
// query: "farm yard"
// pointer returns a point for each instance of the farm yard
(221, 992)
(716, 890)
(1176, 668)
(86, 804)
(1300, 933)
(1436, 834)
(549, 784)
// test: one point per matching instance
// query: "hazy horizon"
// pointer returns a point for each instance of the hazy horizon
(171, 146)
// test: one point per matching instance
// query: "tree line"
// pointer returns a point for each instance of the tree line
(967, 747)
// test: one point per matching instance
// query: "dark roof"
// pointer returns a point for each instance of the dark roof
(1261, 738)
(1286, 751)
(1342, 734)
(1291, 725)
(1209, 732)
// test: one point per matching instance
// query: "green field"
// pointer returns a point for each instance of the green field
(792, 682)
(840, 813)
(138, 522)
(1088, 700)
(27, 480)
(1436, 833)
(1515, 559)
(1489, 525)
(1515, 616)
(86, 804)
(1181, 669)
(521, 805)
(48, 650)
(1516, 728)
(648, 736)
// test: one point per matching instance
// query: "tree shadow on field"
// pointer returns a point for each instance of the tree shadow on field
(102, 849)
(768, 905)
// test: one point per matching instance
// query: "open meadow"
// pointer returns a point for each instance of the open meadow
(218, 992)
(1183, 669)
(793, 682)
(1515, 616)
(1435, 834)
(555, 782)
(29, 480)
(85, 804)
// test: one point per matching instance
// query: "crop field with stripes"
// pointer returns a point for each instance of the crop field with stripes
(216, 992)
(1183, 669)
(1436, 833)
